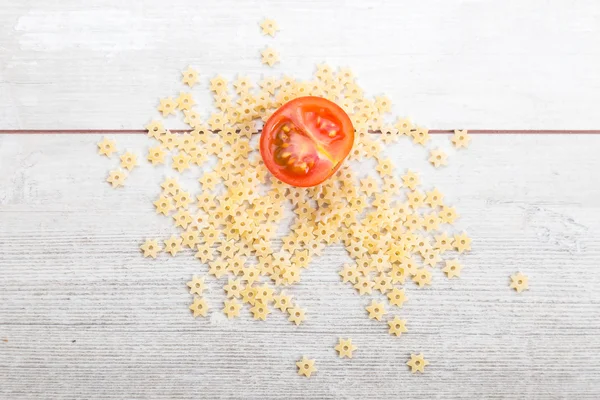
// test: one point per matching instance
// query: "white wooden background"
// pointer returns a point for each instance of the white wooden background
(83, 315)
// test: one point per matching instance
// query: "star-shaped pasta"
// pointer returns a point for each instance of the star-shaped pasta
(167, 106)
(417, 363)
(155, 129)
(448, 215)
(434, 198)
(385, 168)
(422, 277)
(190, 76)
(452, 268)
(190, 238)
(196, 285)
(460, 139)
(306, 367)
(269, 27)
(269, 56)
(397, 297)
(204, 252)
(462, 242)
(217, 268)
(116, 178)
(345, 348)
(249, 295)
(404, 126)
(163, 205)
(383, 283)
(232, 308)
(282, 301)
(349, 273)
(181, 161)
(170, 186)
(410, 180)
(128, 161)
(397, 326)
(264, 294)
(297, 315)
(173, 245)
(376, 310)
(199, 307)
(168, 140)
(233, 288)
(218, 84)
(182, 199)
(156, 155)
(150, 248)
(519, 282)
(106, 147)
(363, 285)
(438, 158)
(185, 101)
(443, 243)
(420, 135)
(260, 311)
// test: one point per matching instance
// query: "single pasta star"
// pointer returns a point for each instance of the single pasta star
(155, 129)
(345, 348)
(106, 147)
(232, 308)
(452, 268)
(297, 315)
(306, 367)
(150, 248)
(434, 198)
(397, 297)
(460, 138)
(376, 310)
(163, 205)
(349, 274)
(170, 186)
(167, 106)
(199, 307)
(156, 155)
(185, 101)
(282, 301)
(269, 56)
(410, 180)
(422, 277)
(438, 158)
(397, 326)
(519, 282)
(196, 285)
(190, 76)
(363, 285)
(128, 161)
(462, 242)
(417, 363)
(173, 245)
(420, 135)
(269, 27)
(260, 311)
(116, 178)
(233, 288)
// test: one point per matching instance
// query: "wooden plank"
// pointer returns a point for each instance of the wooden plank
(448, 64)
(83, 315)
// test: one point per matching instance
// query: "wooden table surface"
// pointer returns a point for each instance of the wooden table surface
(83, 315)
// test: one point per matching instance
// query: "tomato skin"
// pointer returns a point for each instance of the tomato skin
(306, 140)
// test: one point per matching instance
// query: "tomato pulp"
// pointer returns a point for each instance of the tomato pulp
(306, 140)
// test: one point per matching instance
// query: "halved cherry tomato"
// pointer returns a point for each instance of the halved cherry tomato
(306, 140)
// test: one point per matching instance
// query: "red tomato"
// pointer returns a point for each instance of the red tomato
(306, 140)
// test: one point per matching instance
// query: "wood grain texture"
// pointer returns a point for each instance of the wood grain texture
(83, 315)
(447, 63)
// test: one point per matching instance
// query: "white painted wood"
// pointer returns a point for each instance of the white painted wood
(447, 63)
(83, 315)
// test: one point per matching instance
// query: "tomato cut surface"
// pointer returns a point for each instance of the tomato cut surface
(306, 140)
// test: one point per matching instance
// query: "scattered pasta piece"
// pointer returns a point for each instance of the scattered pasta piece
(452, 268)
(155, 129)
(260, 311)
(106, 147)
(269, 27)
(397, 326)
(232, 308)
(167, 106)
(269, 56)
(150, 248)
(116, 178)
(417, 363)
(462, 242)
(397, 297)
(345, 348)
(460, 139)
(196, 285)
(422, 277)
(128, 161)
(199, 307)
(190, 76)
(438, 158)
(156, 155)
(306, 367)
(173, 245)
(296, 315)
(376, 310)
(519, 282)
